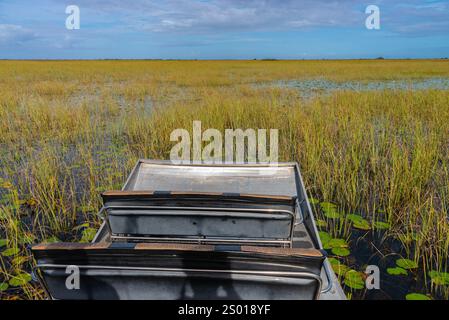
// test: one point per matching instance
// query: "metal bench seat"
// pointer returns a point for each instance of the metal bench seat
(179, 271)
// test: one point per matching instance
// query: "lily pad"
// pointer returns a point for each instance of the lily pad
(338, 243)
(397, 271)
(332, 214)
(417, 296)
(20, 280)
(338, 267)
(381, 225)
(3, 242)
(363, 225)
(341, 252)
(439, 278)
(88, 234)
(354, 280)
(406, 264)
(358, 222)
(355, 218)
(314, 201)
(3, 286)
(330, 210)
(325, 238)
(10, 252)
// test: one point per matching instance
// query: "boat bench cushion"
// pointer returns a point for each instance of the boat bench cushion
(148, 270)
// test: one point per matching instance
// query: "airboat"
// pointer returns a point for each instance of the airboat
(197, 231)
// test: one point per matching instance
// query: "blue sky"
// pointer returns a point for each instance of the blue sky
(223, 29)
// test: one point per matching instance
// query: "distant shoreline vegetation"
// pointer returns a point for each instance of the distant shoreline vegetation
(227, 59)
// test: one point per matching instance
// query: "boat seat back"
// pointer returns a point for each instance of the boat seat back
(209, 217)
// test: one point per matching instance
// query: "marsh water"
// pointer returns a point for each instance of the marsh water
(310, 88)
(371, 248)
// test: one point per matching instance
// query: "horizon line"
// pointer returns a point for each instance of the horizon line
(225, 59)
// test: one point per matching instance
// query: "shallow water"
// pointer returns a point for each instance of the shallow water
(371, 248)
(379, 248)
(312, 87)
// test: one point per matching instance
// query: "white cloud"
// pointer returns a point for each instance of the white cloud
(252, 15)
(212, 16)
(417, 18)
(224, 15)
(11, 33)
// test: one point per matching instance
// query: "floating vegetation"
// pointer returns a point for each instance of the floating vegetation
(439, 278)
(358, 222)
(354, 218)
(338, 267)
(325, 206)
(362, 225)
(10, 252)
(325, 238)
(330, 210)
(20, 280)
(354, 280)
(333, 214)
(341, 252)
(3, 242)
(338, 243)
(314, 201)
(398, 271)
(381, 225)
(406, 264)
(3, 286)
(88, 234)
(417, 296)
(339, 247)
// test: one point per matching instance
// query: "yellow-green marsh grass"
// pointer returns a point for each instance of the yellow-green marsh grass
(72, 129)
